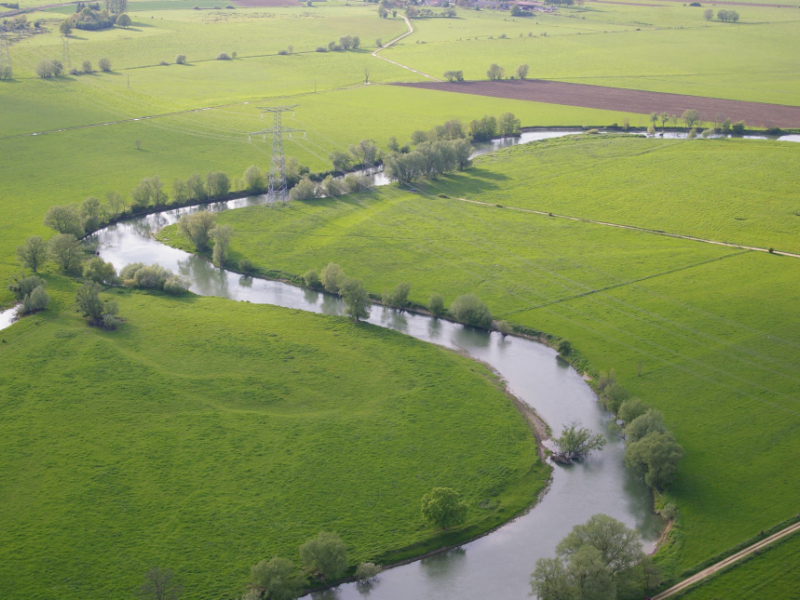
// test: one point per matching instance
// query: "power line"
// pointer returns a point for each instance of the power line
(5, 57)
(65, 52)
(278, 187)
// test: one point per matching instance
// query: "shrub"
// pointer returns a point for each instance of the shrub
(738, 127)
(283, 52)
(325, 554)
(505, 328)
(311, 278)
(105, 65)
(443, 508)
(613, 396)
(223, 56)
(398, 297)
(644, 425)
(356, 183)
(564, 347)
(36, 301)
(124, 20)
(436, 305)
(469, 310)
(321, 49)
(356, 299)
(275, 579)
(180, 59)
(632, 408)
(163, 63)
(99, 271)
(522, 71)
(332, 278)
(6, 72)
(246, 266)
(101, 314)
(454, 75)
(304, 190)
(669, 512)
(46, 69)
(176, 285)
(367, 571)
(151, 277)
(495, 72)
(23, 287)
(73, 71)
(217, 184)
(33, 253)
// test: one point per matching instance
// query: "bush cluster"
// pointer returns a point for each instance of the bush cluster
(153, 277)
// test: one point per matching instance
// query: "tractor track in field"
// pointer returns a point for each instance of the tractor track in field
(632, 228)
(397, 39)
(727, 562)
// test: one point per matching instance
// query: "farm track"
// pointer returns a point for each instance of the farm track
(632, 228)
(723, 564)
(397, 39)
(754, 114)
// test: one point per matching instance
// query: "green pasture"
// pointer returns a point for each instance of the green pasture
(770, 574)
(204, 435)
(705, 333)
(72, 165)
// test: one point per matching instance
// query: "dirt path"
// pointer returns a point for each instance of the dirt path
(755, 114)
(632, 228)
(727, 562)
(397, 39)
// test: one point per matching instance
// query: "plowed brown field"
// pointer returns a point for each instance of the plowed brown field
(754, 114)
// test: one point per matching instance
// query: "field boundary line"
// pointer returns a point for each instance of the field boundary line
(715, 568)
(397, 39)
(633, 228)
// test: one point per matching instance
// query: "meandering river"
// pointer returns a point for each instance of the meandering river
(497, 565)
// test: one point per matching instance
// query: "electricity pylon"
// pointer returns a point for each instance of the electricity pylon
(65, 53)
(278, 188)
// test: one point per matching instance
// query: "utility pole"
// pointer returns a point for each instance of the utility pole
(65, 52)
(278, 188)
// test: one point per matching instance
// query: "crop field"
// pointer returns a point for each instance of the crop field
(236, 437)
(675, 318)
(772, 574)
(186, 437)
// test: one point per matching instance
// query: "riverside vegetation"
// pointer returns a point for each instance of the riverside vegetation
(675, 319)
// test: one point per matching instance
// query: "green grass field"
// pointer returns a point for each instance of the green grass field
(771, 574)
(711, 329)
(204, 435)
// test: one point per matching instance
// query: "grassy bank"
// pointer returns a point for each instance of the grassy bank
(677, 319)
(205, 435)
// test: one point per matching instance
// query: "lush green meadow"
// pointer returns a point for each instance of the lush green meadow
(705, 333)
(771, 574)
(204, 435)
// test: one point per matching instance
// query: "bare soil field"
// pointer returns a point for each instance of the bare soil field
(754, 114)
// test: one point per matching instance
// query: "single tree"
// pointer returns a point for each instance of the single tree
(522, 70)
(87, 67)
(398, 297)
(124, 20)
(311, 279)
(613, 396)
(356, 299)
(275, 579)
(576, 442)
(504, 327)
(657, 456)
(436, 305)
(341, 160)
(197, 227)
(631, 409)
(470, 310)
(444, 508)
(64, 219)
(65, 28)
(66, 251)
(101, 314)
(495, 72)
(332, 278)
(366, 572)
(550, 580)
(99, 271)
(105, 65)
(508, 124)
(197, 188)
(589, 576)
(221, 235)
(33, 253)
(160, 584)
(325, 554)
(645, 424)
(708, 14)
(180, 191)
(253, 179)
(217, 184)
(690, 118)
(620, 547)
(91, 213)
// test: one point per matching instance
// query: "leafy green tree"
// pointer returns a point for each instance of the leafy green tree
(367, 572)
(99, 271)
(589, 576)
(577, 442)
(65, 28)
(522, 71)
(708, 14)
(644, 425)
(356, 299)
(444, 508)
(180, 191)
(631, 409)
(66, 251)
(197, 226)
(217, 184)
(620, 547)
(454, 76)
(495, 72)
(332, 278)
(91, 213)
(508, 124)
(116, 205)
(690, 117)
(505, 328)
(33, 253)
(253, 179)
(484, 129)
(100, 313)
(341, 161)
(124, 20)
(160, 584)
(470, 310)
(398, 297)
(197, 188)
(275, 579)
(304, 190)
(657, 455)
(105, 65)
(550, 580)
(366, 153)
(311, 278)
(37, 300)
(325, 554)
(64, 219)
(613, 396)
(436, 305)
(222, 235)
(21, 287)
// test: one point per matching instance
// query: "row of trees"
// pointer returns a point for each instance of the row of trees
(650, 448)
(427, 13)
(496, 72)
(429, 160)
(729, 16)
(599, 560)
